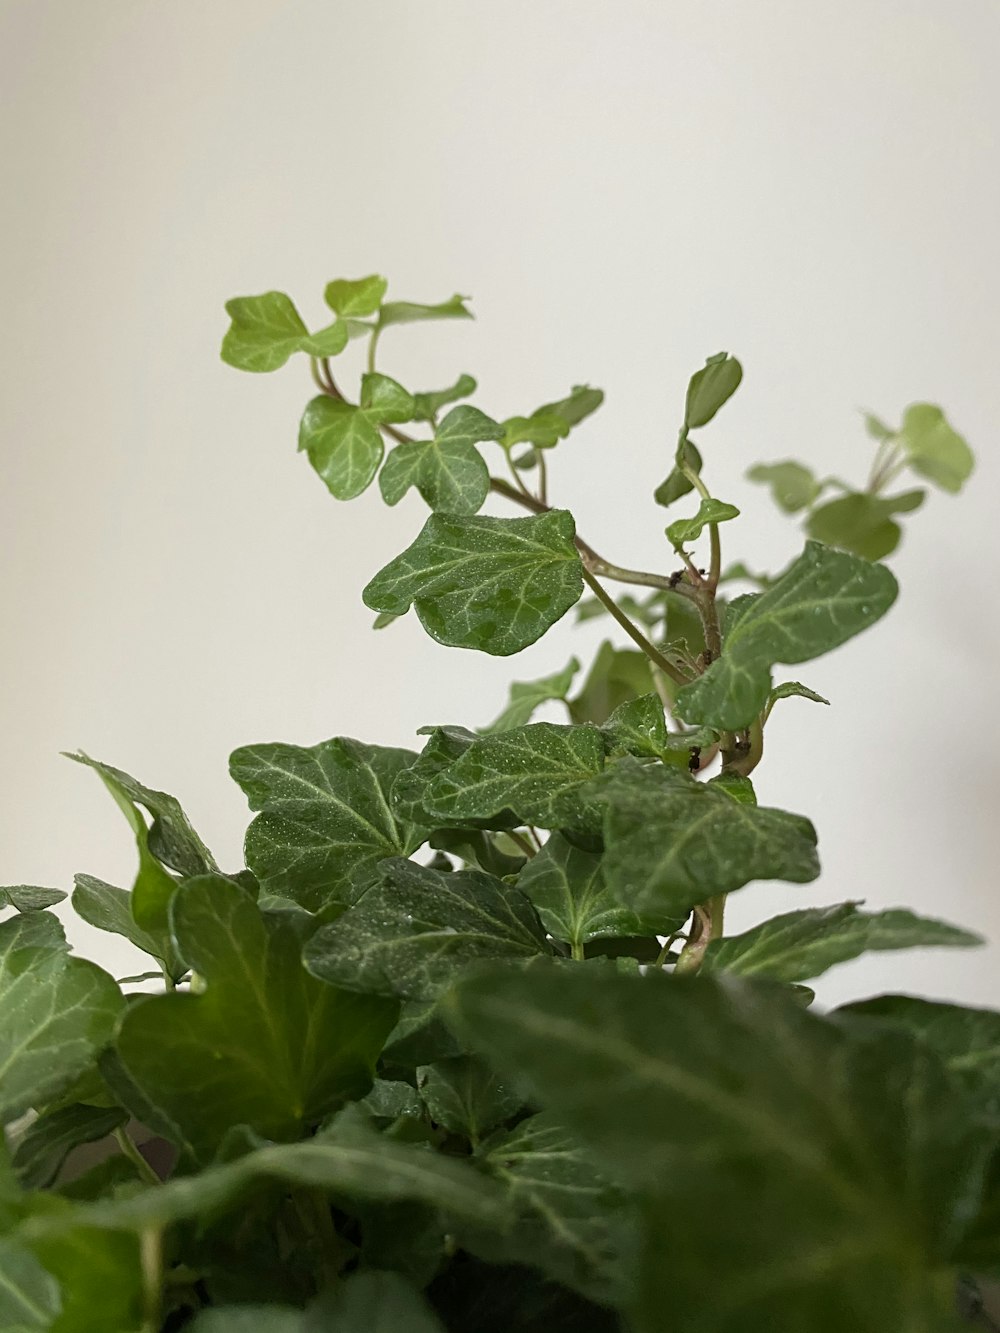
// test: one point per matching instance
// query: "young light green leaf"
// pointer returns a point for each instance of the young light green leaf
(552, 422)
(58, 1013)
(566, 886)
(344, 442)
(934, 448)
(710, 388)
(793, 485)
(428, 405)
(672, 842)
(465, 1096)
(527, 696)
(266, 330)
(841, 1207)
(616, 676)
(678, 483)
(418, 928)
(411, 312)
(448, 471)
(29, 897)
(825, 598)
(107, 908)
(685, 530)
(792, 689)
(798, 946)
(355, 298)
(495, 584)
(324, 819)
(48, 1141)
(877, 428)
(265, 1045)
(863, 523)
(535, 770)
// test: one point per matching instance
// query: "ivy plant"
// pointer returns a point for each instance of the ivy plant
(467, 1046)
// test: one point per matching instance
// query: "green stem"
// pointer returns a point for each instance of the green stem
(372, 346)
(522, 842)
(543, 478)
(151, 1263)
(633, 631)
(576, 951)
(129, 1150)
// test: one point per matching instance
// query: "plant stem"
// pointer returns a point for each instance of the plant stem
(522, 842)
(576, 951)
(151, 1262)
(543, 478)
(129, 1150)
(633, 631)
(698, 940)
(372, 346)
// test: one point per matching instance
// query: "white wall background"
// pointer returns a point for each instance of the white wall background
(625, 188)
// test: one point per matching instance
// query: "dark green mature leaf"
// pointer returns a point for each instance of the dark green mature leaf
(411, 785)
(411, 312)
(572, 1222)
(825, 598)
(672, 842)
(552, 422)
(29, 897)
(46, 1143)
(686, 530)
(499, 1298)
(57, 1014)
(417, 929)
(29, 1295)
(325, 818)
(344, 442)
(793, 485)
(465, 1096)
(266, 330)
(798, 946)
(616, 675)
(448, 471)
(934, 448)
(638, 727)
(535, 770)
(31, 930)
(266, 1044)
(495, 584)
(107, 908)
(355, 298)
(789, 1183)
(428, 405)
(365, 1302)
(526, 696)
(678, 483)
(863, 523)
(710, 388)
(566, 885)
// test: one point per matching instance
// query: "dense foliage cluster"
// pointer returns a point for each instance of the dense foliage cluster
(466, 1047)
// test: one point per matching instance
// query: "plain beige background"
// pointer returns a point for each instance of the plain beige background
(624, 188)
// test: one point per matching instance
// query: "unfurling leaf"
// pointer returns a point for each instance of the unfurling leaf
(412, 312)
(792, 689)
(710, 388)
(552, 422)
(690, 529)
(678, 483)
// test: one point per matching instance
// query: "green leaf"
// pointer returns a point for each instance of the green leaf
(265, 1045)
(784, 1170)
(409, 790)
(391, 1098)
(428, 405)
(552, 422)
(792, 689)
(690, 529)
(448, 471)
(46, 1143)
(616, 676)
(495, 584)
(29, 1295)
(30, 897)
(825, 598)
(566, 886)
(107, 908)
(344, 442)
(58, 1012)
(251, 1319)
(324, 819)
(410, 312)
(672, 842)
(710, 388)
(100, 1276)
(464, 1095)
(877, 428)
(418, 928)
(638, 727)
(527, 696)
(934, 448)
(266, 330)
(863, 523)
(798, 946)
(677, 483)
(793, 485)
(535, 770)
(32, 930)
(355, 298)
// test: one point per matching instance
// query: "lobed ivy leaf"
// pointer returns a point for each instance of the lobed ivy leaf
(448, 471)
(427, 405)
(552, 422)
(678, 483)
(265, 1044)
(779, 1163)
(863, 523)
(29, 897)
(690, 529)
(344, 442)
(536, 770)
(798, 946)
(355, 298)
(418, 928)
(47, 1142)
(825, 598)
(672, 842)
(464, 1095)
(793, 485)
(495, 584)
(934, 449)
(108, 908)
(31, 930)
(325, 818)
(266, 330)
(638, 727)
(527, 696)
(710, 388)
